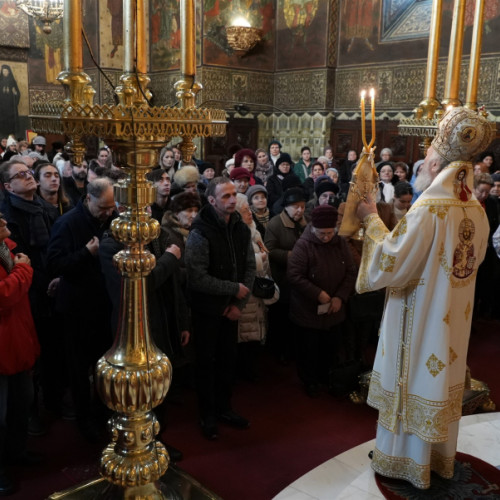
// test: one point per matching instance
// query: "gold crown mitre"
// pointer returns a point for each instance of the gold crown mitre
(462, 134)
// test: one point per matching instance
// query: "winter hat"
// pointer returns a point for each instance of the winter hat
(274, 141)
(293, 195)
(39, 141)
(205, 165)
(284, 158)
(325, 186)
(238, 157)
(324, 216)
(11, 141)
(185, 200)
(239, 173)
(186, 175)
(257, 188)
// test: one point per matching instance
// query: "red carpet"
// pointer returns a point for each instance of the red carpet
(290, 434)
(472, 479)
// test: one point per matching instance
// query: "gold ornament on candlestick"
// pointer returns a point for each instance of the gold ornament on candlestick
(365, 178)
(134, 376)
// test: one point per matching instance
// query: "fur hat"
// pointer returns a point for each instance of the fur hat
(462, 134)
(229, 162)
(239, 173)
(293, 195)
(11, 141)
(252, 190)
(238, 157)
(324, 216)
(185, 200)
(185, 175)
(325, 186)
(39, 141)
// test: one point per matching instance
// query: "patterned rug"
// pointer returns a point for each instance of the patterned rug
(473, 480)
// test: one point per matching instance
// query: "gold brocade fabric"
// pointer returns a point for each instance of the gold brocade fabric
(409, 470)
(428, 264)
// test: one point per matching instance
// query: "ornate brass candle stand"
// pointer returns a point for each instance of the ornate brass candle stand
(133, 377)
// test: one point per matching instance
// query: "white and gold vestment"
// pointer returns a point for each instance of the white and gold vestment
(428, 264)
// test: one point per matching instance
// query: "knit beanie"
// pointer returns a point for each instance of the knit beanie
(252, 190)
(324, 216)
(239, 173)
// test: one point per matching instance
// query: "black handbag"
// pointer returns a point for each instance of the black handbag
(263, 288)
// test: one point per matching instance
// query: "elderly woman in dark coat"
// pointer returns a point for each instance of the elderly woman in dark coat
(282, 231)
(322, 275)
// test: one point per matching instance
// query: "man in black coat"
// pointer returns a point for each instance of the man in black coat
(220, 265)
(81, 296)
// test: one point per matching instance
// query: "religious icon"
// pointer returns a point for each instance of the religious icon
(463, 257)
(460, 188)
(9, 101)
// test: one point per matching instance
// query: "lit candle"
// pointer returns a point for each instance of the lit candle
(363, 131)
(372, 95)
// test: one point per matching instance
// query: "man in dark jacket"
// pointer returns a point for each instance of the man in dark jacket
(76, 185)
(220, 265)
(81, 296)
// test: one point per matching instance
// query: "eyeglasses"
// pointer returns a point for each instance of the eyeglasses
(23, 174)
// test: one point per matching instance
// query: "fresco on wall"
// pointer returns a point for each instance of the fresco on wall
(396, 30)
(111, 33)
(13, 25)
(219, 13)
(45, 53)
(13, 97)
(165, 34)
(90, 20)
(301, 34)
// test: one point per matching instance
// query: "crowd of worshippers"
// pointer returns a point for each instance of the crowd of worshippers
(264, 221)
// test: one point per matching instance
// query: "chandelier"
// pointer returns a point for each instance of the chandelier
(47, 11)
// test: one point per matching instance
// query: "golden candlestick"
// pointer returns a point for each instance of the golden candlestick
(365, 178)
(475, 56)
(430, 104)
(133, 377)
(452, 82)
(363, 126)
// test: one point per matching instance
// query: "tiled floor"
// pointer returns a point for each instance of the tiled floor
(348, 476)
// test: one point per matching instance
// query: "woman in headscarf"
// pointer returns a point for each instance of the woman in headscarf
(264, 167)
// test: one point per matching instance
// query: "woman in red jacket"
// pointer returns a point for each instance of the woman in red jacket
(19, 349)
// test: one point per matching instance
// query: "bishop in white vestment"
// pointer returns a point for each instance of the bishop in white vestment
(428, 264)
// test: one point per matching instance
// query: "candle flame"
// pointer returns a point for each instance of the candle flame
(372, 93)
(363, 93)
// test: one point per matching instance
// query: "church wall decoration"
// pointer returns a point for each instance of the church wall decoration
(399, 86)
(14, 98)
(301, 34)
(165, 34)
(45, 53)
(217, 14)
(13, 25)
(388, 30)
